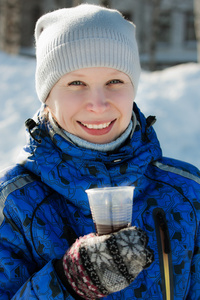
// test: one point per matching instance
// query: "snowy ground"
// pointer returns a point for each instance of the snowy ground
(172, 95)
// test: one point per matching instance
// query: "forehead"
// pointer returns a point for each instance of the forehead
(94, 72)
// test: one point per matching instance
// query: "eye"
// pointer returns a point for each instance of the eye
(76, 82)
(114, 81)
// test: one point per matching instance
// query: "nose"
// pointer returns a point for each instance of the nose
(98, 101)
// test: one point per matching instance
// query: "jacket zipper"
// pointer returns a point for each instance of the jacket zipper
(164, 254)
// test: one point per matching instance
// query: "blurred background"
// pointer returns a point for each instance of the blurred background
(168, 35)
(167, 30)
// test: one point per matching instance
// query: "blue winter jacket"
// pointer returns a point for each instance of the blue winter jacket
(45, 208)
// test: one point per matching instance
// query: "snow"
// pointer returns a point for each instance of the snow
(172, 95)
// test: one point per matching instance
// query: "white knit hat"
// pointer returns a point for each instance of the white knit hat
(84, 36)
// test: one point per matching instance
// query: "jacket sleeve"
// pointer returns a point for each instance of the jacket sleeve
(21, 277)
(194, 291)
(43, 285)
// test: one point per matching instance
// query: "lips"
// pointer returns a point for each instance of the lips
(97, 129)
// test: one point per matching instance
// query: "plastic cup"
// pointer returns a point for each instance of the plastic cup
(111, 208)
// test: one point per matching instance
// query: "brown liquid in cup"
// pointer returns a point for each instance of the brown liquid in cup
(102, 229)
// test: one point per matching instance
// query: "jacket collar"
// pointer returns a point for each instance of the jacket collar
(142, 139)
(58, 162)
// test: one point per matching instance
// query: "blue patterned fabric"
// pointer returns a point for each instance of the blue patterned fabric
(45, 208)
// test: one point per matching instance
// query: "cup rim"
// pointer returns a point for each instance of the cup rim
(111, 188)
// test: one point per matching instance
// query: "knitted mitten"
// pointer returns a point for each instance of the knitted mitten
(96, 266)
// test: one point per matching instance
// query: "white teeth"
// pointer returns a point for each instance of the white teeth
(95, 126)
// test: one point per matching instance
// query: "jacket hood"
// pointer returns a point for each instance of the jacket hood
(65, 167)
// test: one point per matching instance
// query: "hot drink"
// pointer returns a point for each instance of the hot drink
(111, 208)
(106, 229)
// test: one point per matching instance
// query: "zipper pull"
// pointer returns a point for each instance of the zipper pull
(163, 225)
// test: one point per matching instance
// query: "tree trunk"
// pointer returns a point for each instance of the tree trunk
(10, 32)
(197, 26)
(154, 34)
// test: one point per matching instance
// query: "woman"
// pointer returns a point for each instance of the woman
(90, 133)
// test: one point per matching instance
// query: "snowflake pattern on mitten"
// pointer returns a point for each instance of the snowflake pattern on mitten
(99, 265)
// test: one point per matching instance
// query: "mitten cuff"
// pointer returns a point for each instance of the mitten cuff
(75, 262)
(58, 266)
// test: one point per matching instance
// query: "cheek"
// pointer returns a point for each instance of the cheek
(57, 110)
(66, 114)
(127, 106)
(127, 111)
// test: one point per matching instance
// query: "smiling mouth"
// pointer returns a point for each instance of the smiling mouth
(97, 129)
(96, 126)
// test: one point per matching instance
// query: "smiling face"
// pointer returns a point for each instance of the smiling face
(94, 104)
